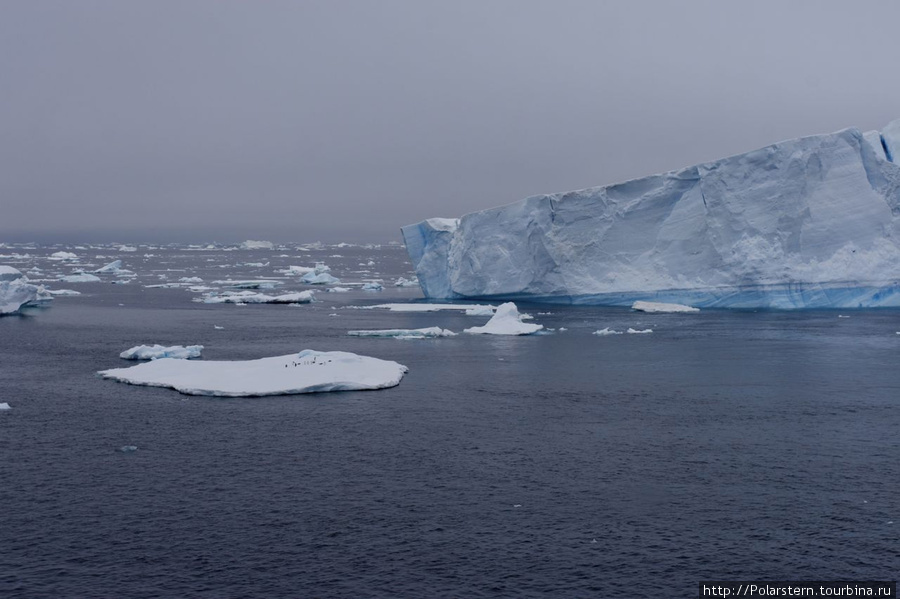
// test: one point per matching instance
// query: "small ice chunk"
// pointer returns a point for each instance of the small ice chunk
(606, 332)
(5, 406)
(338, 289)
(404, 282)
(63, 256)
(190, 280)
(660, 308)
(636, 332)
(113, 267)
(427, 333)
(217, 327)
(62, 292)
(505, 321)
(480, 311)
(80, 278)
(128, 448)
(372, 286)
(251, 284)
(309, 371)
(155, 352)
(127, 248)
(312, 278)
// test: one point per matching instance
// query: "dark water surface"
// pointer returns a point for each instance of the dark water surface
(725, 445)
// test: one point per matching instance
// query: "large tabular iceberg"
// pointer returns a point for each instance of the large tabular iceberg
(804, 223)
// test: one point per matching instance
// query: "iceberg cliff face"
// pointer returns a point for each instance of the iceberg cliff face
(809, 222)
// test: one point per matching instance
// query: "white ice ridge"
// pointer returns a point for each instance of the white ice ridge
(306, 372)
(658, 307)
(112, 267)
(427, 333)
(804, 223)
(249, 297)
(155, 352)
(506, 321)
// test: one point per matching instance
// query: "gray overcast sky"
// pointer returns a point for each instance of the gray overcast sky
(343, 120)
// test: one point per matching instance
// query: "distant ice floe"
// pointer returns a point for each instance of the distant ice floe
(480, 311)
(372, 286)
(308, 371)
(320, 275)
(249, 297)
(113, 267)
(424, 307)
(251, 284)
(155, 352)
(637, 332)
(63, 256)
(82, 277)
(404, 282)
(338, 289)
(661, 308)
(505, 321)
(190, 280)
(62, 292)
(5, 406)
(257, 245)
(606, 332)
(297, 270)
(127, 248)
(427, 333)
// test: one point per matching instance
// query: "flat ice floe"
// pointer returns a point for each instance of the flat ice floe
(505, 321)
(309, 371)
(631, 331)
(661, 308)
(5, 406)
(80, 278)
(427, 333)
(249, 297)
(156, 352)
(252, 284)
(426, 307)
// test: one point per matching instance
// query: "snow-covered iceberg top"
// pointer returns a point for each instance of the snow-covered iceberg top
(155, 352)
(506, 321)
(426, 333)
(306, 372)
(249, 297)
(808, 222)
(322, 278)
(661, 308)
(9, 273)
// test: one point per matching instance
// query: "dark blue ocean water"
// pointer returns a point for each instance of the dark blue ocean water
(725, 445)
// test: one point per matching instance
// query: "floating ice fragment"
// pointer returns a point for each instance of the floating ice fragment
(606, 332)
(505, 321)
(430, 332)
(658, 307)
(249, 297)
(128, 448)
(480, 311)
(420, 307)
(5, 406)
(372, 286)
(80, 278)
(636, 332)
(308, 371)
(155, 352)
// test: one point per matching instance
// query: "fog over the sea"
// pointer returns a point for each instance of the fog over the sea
(333, 120)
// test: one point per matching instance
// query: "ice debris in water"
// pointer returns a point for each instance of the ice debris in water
(606, 332)
(404, 282)
(505, 321)
(426, 333)
(308, 371)
(659, 307)
(128, 448)
(249, 297)
(155, 352)
(5, 406)
(251, 244)
(372, 286)
(637, 332)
